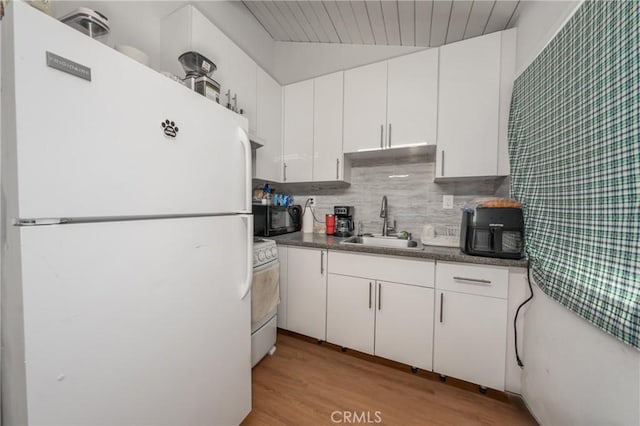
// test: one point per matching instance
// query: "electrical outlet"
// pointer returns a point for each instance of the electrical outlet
(447, 201)
(312, 201)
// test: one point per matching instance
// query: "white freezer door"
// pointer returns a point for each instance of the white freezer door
(97, 148)
(139, 322)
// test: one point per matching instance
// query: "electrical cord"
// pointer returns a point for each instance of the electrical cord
(515, 329)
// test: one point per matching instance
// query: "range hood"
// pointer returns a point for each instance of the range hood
(401, 151)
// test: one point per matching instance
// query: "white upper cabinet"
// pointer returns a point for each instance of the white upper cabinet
(412, 99)
(268, 161)
(189, 30)
(475, 76)
(298, 132)
(365, 107)
(313, 131)
(507, 78)
(328, 164)
(392, 104)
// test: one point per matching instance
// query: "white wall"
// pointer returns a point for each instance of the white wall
(301, 61)
(235, 20)
(575, 373)
(137, 23)
(537, 22)
(518, 293)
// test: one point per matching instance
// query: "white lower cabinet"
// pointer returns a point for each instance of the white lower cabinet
(307, 291)
(284, 281)
(381, 317)
(351, 312)
(404, 324)
(470, 329)
(388, 307)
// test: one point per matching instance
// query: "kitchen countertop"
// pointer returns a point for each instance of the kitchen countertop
(449, 254)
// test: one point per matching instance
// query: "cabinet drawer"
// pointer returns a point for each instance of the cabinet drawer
(473, 279)
(383, 268)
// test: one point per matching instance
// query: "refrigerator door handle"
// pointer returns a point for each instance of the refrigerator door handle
(248, 281)
(244, 139)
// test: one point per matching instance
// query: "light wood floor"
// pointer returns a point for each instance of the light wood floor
(304, 383)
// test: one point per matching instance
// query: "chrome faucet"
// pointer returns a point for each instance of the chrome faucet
(384, 215)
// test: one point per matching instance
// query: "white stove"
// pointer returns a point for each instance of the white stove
(265, 297)
(264, 251)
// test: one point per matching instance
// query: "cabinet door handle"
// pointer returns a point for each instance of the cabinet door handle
(337, 168)
(379, 296)
(442, 163)
(441, 305)
(473, 281)
(381, 136)
(389, 136)
(322, 262)
(369, 294)
(284, 171)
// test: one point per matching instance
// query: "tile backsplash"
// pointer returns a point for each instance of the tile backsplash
(413, 198)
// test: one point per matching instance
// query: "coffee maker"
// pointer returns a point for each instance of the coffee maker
(344, 220)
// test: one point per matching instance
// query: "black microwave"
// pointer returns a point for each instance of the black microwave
(276, 220)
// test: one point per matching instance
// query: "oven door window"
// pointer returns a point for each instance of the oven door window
(265, 290)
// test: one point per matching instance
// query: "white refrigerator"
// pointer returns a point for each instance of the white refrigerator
(126, 239)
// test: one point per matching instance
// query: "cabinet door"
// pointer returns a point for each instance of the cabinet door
(236, 71)
(365, 107)
(470, 338)
(242, 84)
(351, 312)
(468, 108)
(269, 128)
(327, 128)
(404, 324)
(418, 272)
(298, 132)
(284, 287)
(412, 99)
(186, 30)
(307, 291)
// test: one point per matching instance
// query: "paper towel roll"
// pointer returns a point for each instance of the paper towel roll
(307, 221)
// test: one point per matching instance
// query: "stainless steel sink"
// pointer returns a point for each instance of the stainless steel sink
(380, 241)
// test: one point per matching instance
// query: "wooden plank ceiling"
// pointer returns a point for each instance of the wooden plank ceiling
(427, 23)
